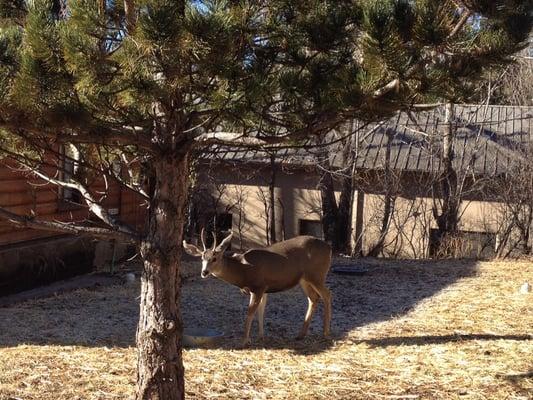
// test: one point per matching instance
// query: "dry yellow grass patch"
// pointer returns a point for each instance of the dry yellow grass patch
(405, 330)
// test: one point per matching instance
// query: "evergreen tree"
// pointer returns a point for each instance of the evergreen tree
(153, 82)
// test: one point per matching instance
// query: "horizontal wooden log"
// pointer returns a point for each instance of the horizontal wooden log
(15, 172)
(23, 194)
(22, 235)
(14, 186)
(40, 210)
(28, 198)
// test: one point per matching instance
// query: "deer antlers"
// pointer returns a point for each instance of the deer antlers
(202, 238)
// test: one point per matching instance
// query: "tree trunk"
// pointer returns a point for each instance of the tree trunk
(388, 209)
(337, 216)
(330, 211)
(272, 195)
(448, 220)
(282, 218)
(389, 200)
(524, 229)
(59, 8)
(346, 199)
(160, 367)
(344, 219)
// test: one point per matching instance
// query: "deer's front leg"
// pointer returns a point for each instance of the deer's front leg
(255, 300)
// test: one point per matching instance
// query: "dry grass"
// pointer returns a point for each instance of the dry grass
(405, 330)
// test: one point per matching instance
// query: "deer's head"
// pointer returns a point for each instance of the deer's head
(212, 257)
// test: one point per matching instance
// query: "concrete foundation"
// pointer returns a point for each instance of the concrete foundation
(109, 252)
(38, 262)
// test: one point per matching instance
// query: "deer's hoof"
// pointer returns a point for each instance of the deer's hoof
(246, 342)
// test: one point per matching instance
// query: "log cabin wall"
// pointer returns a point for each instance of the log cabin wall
(26, 195)
(30, 257)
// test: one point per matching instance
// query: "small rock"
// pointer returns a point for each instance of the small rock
(129, 278)
(525, 288)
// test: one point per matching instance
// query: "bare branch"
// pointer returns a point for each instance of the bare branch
(129, 12)
(130, 185)
(392, 85)
(93, 205)
(235, 139)
(110, 136)
(230, 138)
(64, 227)
(464, 17)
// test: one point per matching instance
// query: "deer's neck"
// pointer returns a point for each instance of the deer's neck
(232, 271)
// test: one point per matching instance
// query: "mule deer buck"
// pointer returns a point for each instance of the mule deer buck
(303, 259)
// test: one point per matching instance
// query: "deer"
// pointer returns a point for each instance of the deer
(303, 260)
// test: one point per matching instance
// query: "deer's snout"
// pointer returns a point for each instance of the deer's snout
(205, 269)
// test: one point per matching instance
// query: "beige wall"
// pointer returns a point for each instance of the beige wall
(412, 219)
(407, 232)
(298, 199)
(295, 195)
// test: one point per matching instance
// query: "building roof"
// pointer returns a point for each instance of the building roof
(489, 140)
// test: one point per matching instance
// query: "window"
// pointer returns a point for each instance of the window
(311, 228)
(116, 167)
(69, 154)
(223, 223)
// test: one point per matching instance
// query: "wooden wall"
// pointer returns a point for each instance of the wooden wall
(26, 195)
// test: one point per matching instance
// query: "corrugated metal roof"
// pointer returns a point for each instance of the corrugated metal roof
(488, 140)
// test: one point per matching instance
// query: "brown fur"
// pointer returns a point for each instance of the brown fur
(303, 260)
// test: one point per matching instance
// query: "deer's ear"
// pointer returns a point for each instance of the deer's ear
(191, 249)
(225, 243)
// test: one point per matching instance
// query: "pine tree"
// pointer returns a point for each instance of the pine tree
(154, 82)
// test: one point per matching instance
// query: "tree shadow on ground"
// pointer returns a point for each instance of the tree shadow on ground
(437, 339)
(520, 381)
(108, 316)
(102, 316)
(389, 289)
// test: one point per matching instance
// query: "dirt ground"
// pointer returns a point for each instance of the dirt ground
(404, 330)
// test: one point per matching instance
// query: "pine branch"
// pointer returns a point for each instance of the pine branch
(64, 227)
(111, 136)
(108, 171)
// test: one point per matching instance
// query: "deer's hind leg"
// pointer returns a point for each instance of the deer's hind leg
(312, 297)
(325, 294)
(261, 315)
